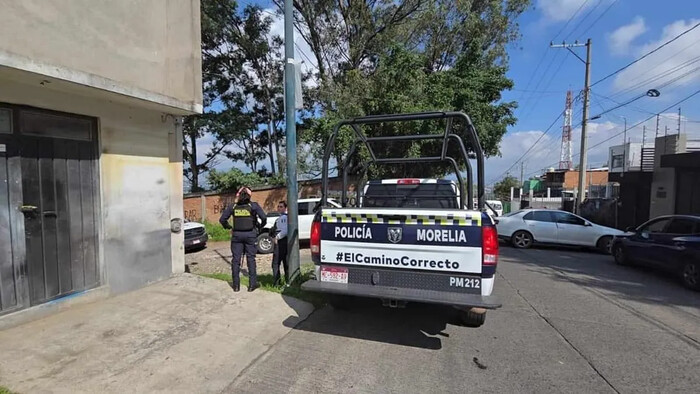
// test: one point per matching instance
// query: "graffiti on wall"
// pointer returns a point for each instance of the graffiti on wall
(192, 215)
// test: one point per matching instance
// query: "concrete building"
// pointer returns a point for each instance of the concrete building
(91, 98)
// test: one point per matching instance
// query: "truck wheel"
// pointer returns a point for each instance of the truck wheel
(521, 239)
(473, 317)
(264, 244)
(340, 302)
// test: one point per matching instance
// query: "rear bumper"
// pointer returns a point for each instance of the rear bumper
(196, 242)
(394, 293)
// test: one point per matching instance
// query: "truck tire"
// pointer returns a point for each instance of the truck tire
(472, 318)
(340, 302)
(264, 244)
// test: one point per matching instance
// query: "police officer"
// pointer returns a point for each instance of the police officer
(245, 222)
(280, 240)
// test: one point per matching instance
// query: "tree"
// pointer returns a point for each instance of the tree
(381, 56)
(502, 188)
(223, 119)
(234, 178)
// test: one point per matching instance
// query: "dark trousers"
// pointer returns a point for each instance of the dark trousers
(280, 256)
(243, 241)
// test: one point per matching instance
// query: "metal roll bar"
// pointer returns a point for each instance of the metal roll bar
(446, 137)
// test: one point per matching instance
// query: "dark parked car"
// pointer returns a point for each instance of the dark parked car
(671, 243)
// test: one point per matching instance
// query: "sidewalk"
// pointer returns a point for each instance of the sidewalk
(185, 334)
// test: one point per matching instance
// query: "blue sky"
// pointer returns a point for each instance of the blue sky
(627, 30)
(621, 31)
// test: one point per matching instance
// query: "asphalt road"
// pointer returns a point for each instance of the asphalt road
(571, 321)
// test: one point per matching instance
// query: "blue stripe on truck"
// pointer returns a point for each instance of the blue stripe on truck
(402, 234)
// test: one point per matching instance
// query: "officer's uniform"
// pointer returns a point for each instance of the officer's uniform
(280, 255)
(245, 220)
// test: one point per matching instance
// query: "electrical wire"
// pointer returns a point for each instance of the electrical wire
(598, 18)
(646, 55)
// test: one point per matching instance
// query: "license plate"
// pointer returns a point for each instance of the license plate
(196, 241)
(334, 274)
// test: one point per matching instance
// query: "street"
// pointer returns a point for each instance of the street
(571, 321)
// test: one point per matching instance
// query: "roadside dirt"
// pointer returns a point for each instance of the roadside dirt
(216, 259)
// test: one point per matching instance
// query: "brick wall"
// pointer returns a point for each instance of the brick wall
(268, 197)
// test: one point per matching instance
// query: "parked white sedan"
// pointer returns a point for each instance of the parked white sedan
(548, 226)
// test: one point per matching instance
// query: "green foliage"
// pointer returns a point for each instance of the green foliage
(4, 390)
(217, 232)
(266, 283)
(234, 178)
(502, 188)
(410, 56)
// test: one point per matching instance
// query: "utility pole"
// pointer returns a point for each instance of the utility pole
(584, 123)
(679, 120)
(644, 135)
(270, 128)
(522, 171)
(657, 128)
(291, 129)
(624, 146)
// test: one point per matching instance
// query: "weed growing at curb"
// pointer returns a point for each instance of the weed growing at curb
(266, 283)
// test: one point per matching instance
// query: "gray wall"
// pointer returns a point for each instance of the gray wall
(140, 171)
(134, 47)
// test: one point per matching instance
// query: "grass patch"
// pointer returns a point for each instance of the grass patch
(217, 232)
(5, 390)
(266, 283)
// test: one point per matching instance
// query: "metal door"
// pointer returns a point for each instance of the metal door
(48, 199)
(11, 257)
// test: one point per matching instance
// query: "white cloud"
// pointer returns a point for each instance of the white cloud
(621, 39)
(676, 63)
(561, 10)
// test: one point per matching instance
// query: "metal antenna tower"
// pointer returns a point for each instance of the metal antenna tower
(565, 159)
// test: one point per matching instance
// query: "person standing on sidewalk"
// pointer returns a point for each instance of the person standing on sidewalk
(246, 215)
(280, 240)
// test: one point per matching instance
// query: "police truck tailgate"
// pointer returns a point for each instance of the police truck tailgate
(437, 256)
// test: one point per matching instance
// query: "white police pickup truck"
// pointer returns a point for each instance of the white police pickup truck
(410, 239)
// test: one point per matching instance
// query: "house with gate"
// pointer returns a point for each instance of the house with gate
(92, 96)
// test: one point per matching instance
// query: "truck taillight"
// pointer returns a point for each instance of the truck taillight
(408, 181)
(489, 250)
(315, 238)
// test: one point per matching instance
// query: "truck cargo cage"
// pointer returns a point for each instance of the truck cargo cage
(446, 137)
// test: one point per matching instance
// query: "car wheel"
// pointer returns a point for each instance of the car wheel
(691, 275)
(522, 239)
(472, 318)
(264, 244)
(604, 244)
(620, 255)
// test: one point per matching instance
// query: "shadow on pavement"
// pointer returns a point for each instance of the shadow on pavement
(417, 325)
(595, 270)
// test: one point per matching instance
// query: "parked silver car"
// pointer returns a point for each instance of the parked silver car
(526, 227)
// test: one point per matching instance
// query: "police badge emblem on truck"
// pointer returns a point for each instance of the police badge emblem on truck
(394, 234)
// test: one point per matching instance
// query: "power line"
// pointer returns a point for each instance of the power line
(583, 19)
(570, 19)
(645, 55)
(647, 119)
(529, 149)
(598, 18)
(629, 128)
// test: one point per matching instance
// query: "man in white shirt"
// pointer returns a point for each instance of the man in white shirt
(280, 240)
